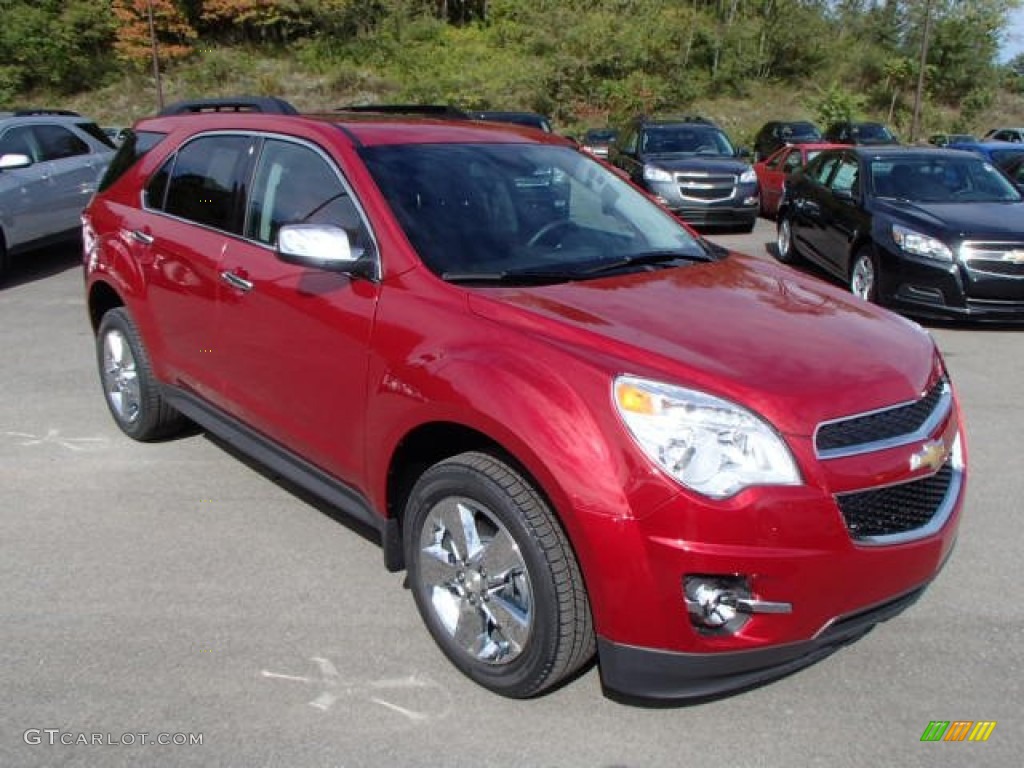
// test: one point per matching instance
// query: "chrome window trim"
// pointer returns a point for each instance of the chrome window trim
(939, 414)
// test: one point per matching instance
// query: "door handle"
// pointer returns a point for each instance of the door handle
(235, 281)
(142, 237)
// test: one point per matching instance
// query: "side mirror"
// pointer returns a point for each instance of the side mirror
(323, 246)
(742, 152)
(14, 161)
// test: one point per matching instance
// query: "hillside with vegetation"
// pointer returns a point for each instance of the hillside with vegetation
(584, 63)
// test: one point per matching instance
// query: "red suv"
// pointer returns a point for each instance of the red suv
(579, 427)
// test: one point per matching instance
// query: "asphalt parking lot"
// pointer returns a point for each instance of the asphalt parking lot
(176, 591)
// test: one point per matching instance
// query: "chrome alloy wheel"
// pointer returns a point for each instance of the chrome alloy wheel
(785, 238)
(862, 277)
(121, 377)
(476, 582)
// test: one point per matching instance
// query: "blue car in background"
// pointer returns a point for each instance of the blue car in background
(1004, 155)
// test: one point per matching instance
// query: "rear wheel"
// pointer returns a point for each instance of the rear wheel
(494, 577)
(129, 386)
(864, 275)
(785, 249)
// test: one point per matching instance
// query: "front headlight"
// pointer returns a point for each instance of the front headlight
(920, 245)
(707, 444)
(749, 176)
(654, 173)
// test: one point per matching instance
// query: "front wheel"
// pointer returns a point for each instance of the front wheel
(785, 249)
(864, 275)
(494, 577)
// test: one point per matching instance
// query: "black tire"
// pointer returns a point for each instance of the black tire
(4, 259)
(520, 571)
(785, 249)
(129, 387)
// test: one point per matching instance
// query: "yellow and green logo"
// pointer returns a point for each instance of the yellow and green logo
(958, 730)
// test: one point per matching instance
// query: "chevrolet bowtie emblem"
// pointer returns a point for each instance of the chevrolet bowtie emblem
(931, 455)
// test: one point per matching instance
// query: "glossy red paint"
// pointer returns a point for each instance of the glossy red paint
(772, 171)
(341, 371)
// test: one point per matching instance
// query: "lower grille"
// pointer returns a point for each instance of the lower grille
(897, 509)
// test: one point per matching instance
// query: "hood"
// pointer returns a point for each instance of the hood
(678, 162)
(792, 348)
(960, 220)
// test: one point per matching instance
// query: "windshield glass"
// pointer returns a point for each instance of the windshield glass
(872, 132)
(501, 209)
(800, 131)
(948, 179)
(686, 140)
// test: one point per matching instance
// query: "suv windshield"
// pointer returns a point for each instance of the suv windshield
(805, 131)
(523, 212)
(685, 140)
(951, 179)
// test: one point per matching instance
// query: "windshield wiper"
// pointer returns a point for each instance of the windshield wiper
(648, 257)
(584, 271)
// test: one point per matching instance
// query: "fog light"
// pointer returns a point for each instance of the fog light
(714, 602)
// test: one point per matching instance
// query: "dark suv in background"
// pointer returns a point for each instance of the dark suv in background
(861, 134)
(693, 169)
(778, 133)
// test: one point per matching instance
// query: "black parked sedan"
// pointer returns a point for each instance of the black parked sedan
(930, 232)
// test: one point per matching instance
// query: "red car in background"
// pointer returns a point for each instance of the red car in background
(773, 170)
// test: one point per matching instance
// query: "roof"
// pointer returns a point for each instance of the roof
(369, 129)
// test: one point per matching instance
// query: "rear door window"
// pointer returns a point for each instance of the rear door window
(207, 182)
(56, 142)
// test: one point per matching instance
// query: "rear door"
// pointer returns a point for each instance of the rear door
(842, 214)
(69, 166)
(193, 207)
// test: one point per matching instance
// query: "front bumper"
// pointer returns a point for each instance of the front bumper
(929, 289)
(739, 206)
(646, 673)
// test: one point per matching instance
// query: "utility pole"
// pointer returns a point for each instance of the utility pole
(156, 58)
(919, 96)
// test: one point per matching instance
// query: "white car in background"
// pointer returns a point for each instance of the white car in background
(50, 164)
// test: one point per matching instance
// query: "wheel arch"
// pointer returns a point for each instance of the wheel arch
(103, 297)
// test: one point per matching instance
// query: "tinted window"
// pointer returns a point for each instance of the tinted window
(207, 183)
(18, 141)
(96, 132)
(134, 146)
(295, 184)
(57, 142)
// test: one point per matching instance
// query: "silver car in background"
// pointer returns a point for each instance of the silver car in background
(50, 164)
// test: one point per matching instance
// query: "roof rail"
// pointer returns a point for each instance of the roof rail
(29, 112)
(430, 110)
(267, 104)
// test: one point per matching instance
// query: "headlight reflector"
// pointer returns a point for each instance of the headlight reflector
(749, 176)
(707, 444)
(921, 245)
(654, 173)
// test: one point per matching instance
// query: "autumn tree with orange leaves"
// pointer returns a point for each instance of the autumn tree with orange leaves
(173, 32)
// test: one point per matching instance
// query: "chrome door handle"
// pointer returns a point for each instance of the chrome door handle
(236, 282)
(139, 236)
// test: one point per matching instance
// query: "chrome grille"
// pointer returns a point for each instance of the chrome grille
(888, 427)
(996, 258)
(706, 186)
